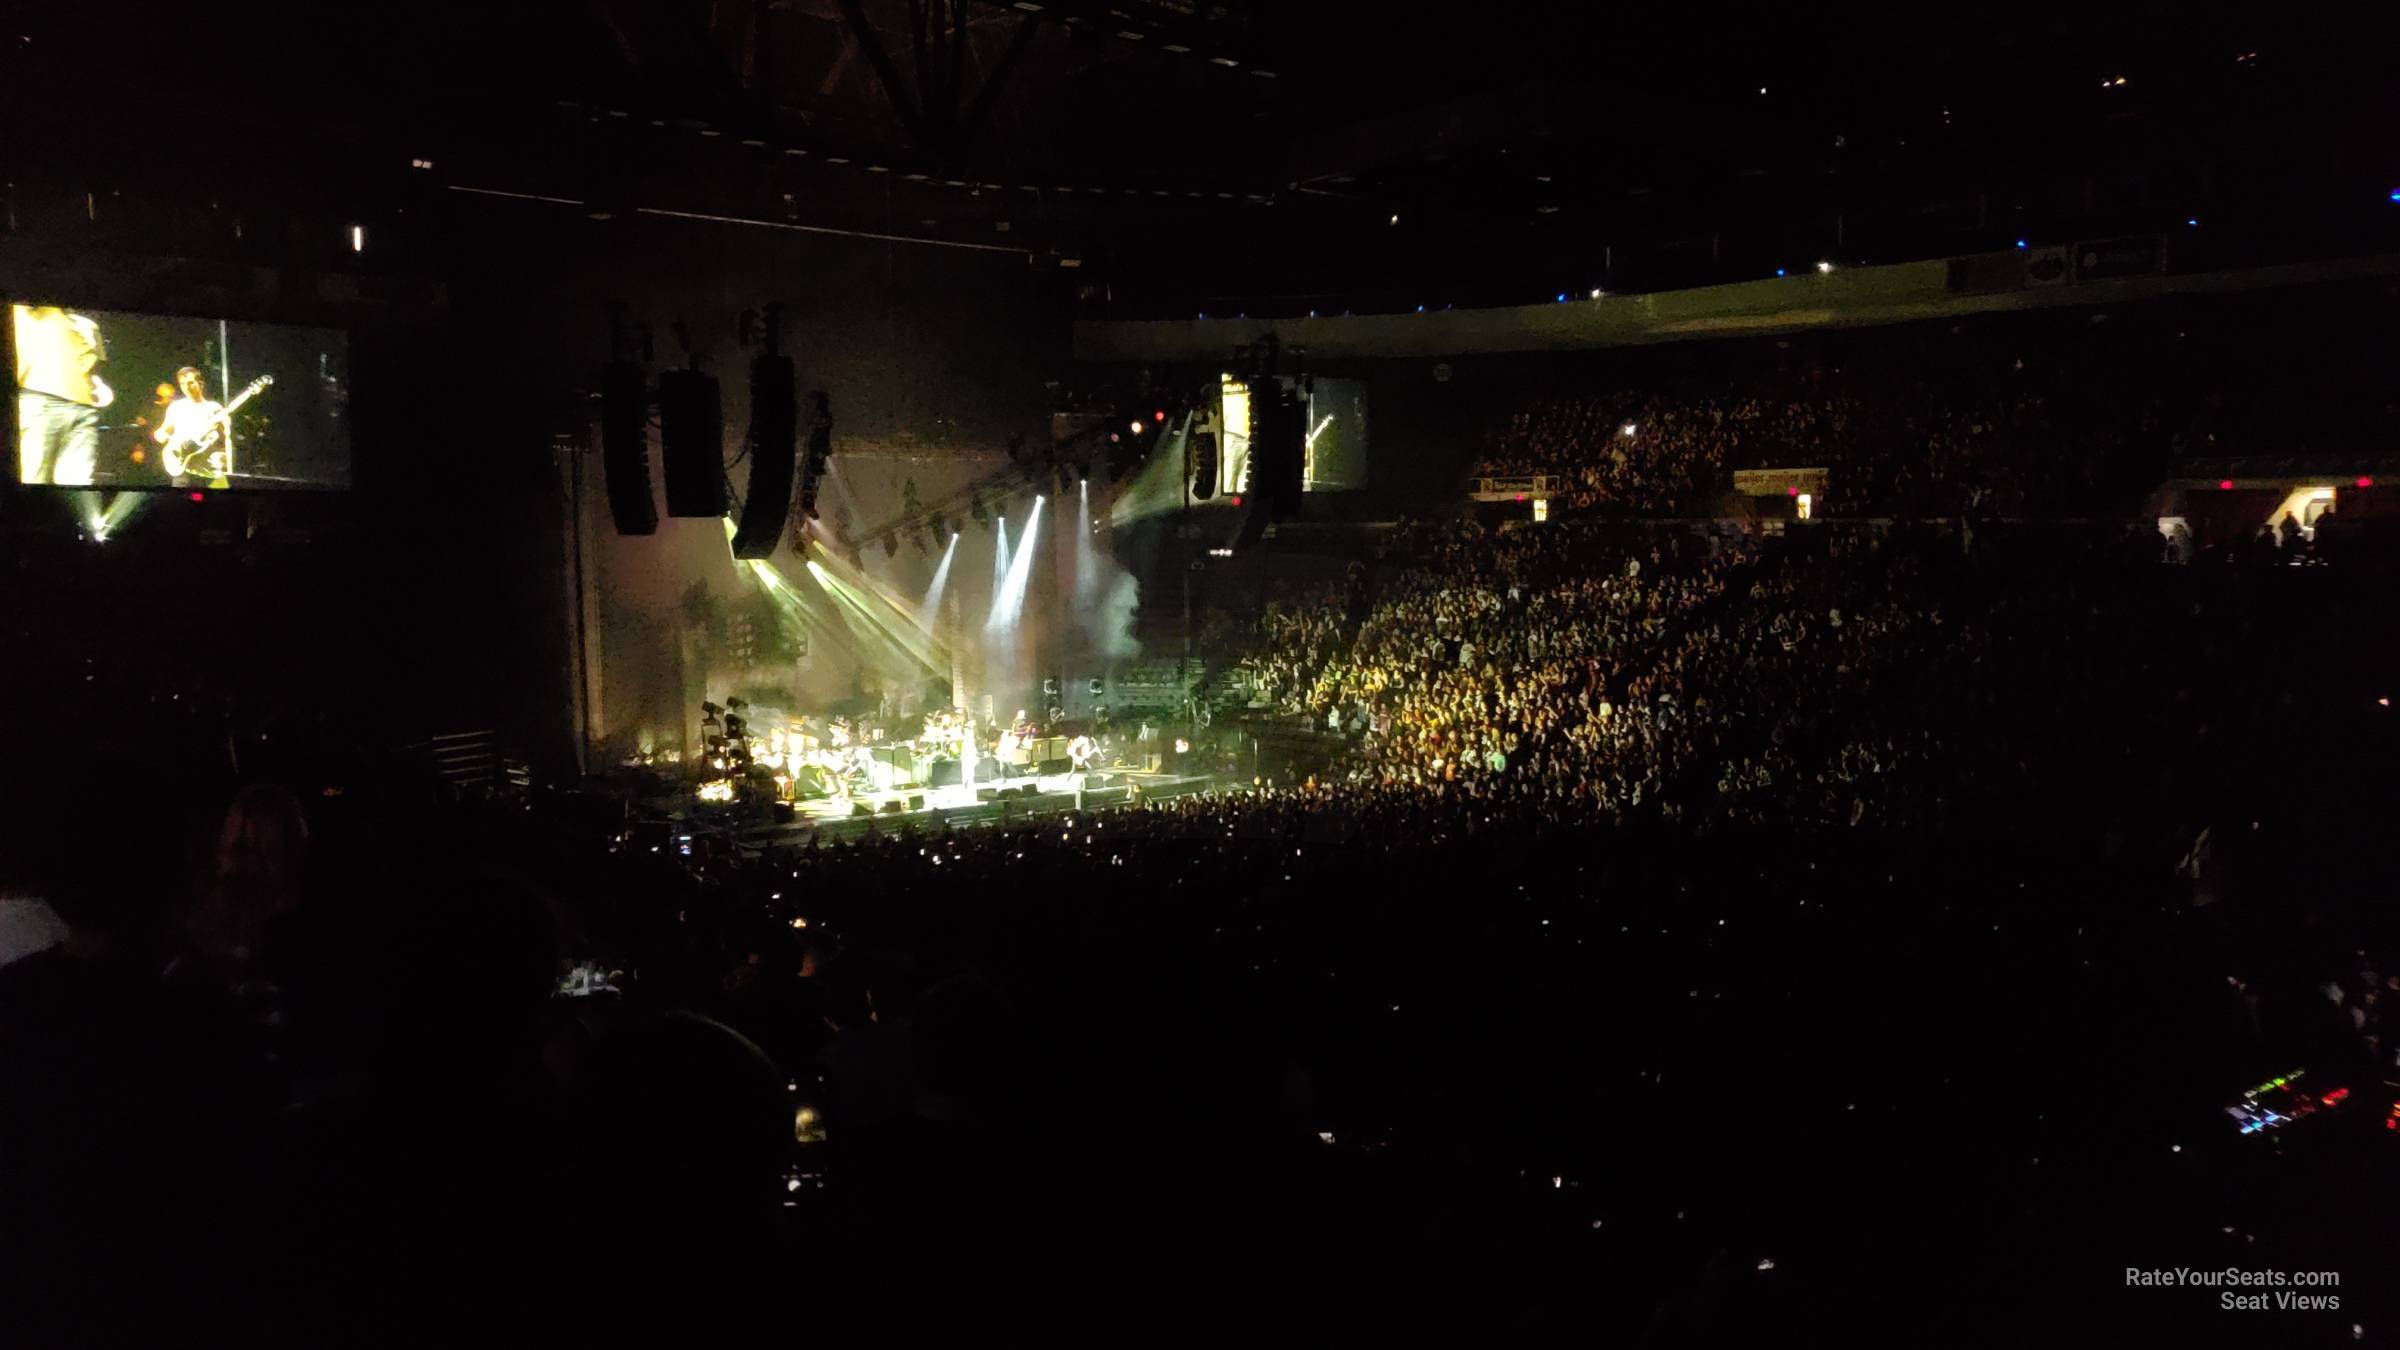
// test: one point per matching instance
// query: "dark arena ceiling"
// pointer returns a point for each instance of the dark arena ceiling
(1177, 156)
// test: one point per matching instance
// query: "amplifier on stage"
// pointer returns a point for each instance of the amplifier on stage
(899, 765)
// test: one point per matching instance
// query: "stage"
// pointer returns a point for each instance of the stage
(990, 803)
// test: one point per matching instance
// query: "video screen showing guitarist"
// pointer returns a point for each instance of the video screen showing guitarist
(241, 406)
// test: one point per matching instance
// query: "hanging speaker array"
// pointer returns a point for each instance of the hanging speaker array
(625, 447)
(691, 433)
(774, 446)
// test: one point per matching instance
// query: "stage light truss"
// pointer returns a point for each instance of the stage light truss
(996, 489)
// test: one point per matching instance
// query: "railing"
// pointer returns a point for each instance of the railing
(1518, 488)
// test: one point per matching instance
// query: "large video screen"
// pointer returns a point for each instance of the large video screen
(1335, 452)
(130, 401)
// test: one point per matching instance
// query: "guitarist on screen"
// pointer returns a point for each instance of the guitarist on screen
(197, 431)
(189, 421)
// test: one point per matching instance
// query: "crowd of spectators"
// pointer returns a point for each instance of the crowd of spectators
(1708, 674)
(2056, 414)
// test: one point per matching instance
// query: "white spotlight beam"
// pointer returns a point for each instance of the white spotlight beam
(929, 611)
(1011, 599)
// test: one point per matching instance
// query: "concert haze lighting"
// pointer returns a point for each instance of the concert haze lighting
(1087, 562)
(889, 634)
(242, 406)
(104, 513)
(929, 610)
(999, 559)
(1009, 600)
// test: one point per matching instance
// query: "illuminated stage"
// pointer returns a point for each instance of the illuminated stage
(1019, 799)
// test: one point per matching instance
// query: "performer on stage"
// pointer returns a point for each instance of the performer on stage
(1007, 752)
(59, 394)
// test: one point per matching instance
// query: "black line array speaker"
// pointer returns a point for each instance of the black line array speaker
(691, 442)
(625, 448)
(1278, 447)
(774, 448)
(820, 454)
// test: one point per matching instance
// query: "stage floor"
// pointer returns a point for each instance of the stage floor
(959, 805)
